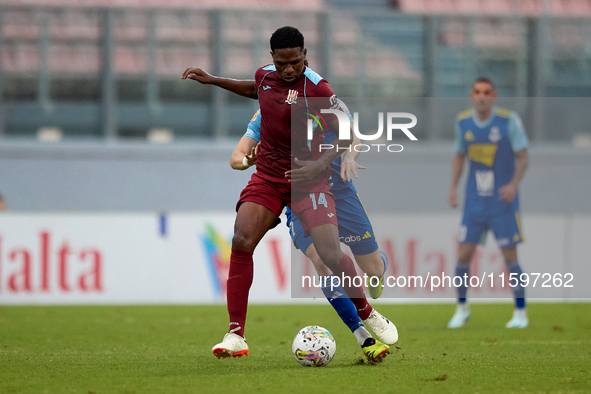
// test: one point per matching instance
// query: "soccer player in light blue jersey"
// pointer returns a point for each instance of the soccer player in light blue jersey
(496, 145)
(355, 230)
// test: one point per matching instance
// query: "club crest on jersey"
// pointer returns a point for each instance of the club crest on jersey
(334, 103)
(495, 134)
(292, 96)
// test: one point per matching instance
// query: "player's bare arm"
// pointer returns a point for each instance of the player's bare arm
(508, 192)
(248, 149)
(309, 169)
(246, 88)
(349, 163)
(456, 172)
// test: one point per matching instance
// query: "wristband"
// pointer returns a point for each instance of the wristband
(245, 163)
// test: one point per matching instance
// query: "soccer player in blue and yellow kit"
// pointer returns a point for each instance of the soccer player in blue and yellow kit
(496, 145)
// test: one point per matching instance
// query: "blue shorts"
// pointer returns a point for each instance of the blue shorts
(354, 228)
(506, 228)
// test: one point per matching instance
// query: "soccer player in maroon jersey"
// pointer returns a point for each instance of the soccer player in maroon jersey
(289, 172)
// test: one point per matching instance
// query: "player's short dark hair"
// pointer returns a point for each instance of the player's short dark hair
(287, 37)
(485, 80)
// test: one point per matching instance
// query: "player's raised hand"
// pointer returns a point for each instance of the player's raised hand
(198, 75)
(507, 193)
(252, 158)
(307, 171)
(452, 198)
(349, 166)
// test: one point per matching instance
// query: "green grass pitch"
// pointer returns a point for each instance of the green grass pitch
(167, 349)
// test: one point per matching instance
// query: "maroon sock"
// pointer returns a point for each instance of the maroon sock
(356, 294)
(239, 281)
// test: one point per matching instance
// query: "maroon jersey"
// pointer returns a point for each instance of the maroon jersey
(283, 140)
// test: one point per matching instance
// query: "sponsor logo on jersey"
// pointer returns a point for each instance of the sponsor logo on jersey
(255, 116)
(485, 183)
(495, 134)
(469, 136)
(350, 238)
(483, 153)
(292, 96)
(367, 235)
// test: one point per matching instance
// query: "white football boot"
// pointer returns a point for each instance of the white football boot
(384, 329)
(519, 319)
(232, 345)
(460, 317)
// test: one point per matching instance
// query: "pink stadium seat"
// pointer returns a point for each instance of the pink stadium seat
(453, 33)
(75, 32)
(85, 60)
(578, 7)
(531, 7)
(300, 4)
(413, 6)
(497, 6)
(239, 64)
(503, 7)
(19, 24)
(170, 62)
(21, 60)
(467, 6)
(131, 62)
(11, 30)
(499, 36)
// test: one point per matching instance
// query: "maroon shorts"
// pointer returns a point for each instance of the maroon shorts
(272, 195)
(314, 209)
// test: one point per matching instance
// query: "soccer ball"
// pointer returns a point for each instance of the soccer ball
(313, 346)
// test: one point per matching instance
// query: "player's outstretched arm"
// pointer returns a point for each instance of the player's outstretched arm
(245, 153)
(508, 192)
(246, 88)
(457, 167)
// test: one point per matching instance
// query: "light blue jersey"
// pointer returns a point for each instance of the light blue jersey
(489, 146)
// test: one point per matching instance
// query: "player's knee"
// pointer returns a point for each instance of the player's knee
(465, 252)
(510, 254)
(463, 260)
(242, 241)
(331, 258)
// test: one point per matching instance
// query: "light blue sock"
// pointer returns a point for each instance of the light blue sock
(385, 260)
(461, 270)
(519, 290)
(341, 303)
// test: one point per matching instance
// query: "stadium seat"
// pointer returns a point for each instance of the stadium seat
(494, 7)
(246, 4)
(21, 60)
